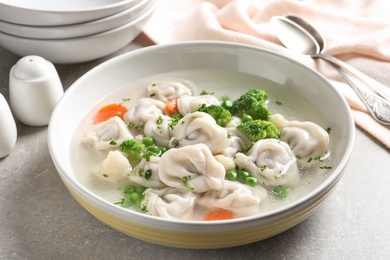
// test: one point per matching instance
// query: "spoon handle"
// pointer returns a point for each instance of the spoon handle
(379, 88)
(378, 107)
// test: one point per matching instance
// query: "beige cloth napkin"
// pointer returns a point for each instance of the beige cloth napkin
(357, 32)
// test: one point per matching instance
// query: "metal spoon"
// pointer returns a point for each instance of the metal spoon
(298, 35)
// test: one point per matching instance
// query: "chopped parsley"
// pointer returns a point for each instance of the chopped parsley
(175, 120)
(204, 92)
(112, 142)
(159, 120)
(175, 143)
(148, 174)
(124, 100)
(187, 184)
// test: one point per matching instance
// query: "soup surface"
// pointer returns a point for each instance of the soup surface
(201, 170)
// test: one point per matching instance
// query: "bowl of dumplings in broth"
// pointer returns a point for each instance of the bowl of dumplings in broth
(201, 144)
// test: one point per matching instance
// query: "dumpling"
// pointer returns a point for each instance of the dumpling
(108, 135)
(171, 203)
(188, 104)
(170, 88)
(144, 110)
(159, 128)
(237, 141)
(114, 168)
(239, 198)
(146, 173)
(272, 162)
(191, 168)
(200, 127)
(307, 140)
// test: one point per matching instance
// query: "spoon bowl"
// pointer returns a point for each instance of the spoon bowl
(298, 35)
(312, 32)
(295, 37)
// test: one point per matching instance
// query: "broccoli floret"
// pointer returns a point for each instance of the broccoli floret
(133, 149)
(251, 103)
(221, 115)
(259, 129)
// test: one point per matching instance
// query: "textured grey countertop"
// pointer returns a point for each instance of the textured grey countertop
(40, 220)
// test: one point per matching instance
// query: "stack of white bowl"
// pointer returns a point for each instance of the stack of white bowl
(71, 31)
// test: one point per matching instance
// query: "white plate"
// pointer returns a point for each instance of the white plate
(82, 49)
(76, 30)
(59, 12)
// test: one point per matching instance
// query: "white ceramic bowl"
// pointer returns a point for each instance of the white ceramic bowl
(90, 89)
(80, 49)
(59, 12)
(77, 30)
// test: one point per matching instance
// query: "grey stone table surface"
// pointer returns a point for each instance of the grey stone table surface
(40, 220)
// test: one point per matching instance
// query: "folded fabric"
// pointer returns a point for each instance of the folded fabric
(357, 32)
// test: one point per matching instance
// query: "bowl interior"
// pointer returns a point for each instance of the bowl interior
(91, 89)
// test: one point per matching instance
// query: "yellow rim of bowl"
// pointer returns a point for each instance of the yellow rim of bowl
(201, 239)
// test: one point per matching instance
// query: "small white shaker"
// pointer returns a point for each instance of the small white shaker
(35, 88)
(8, 132)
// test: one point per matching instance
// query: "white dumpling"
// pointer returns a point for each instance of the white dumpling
(171, 203)
(239, 198)
(237, 141)
(159, 128)
(108, 135)
(307, 139)
(144, 110)
(192, 168)
(114, 168)
(146, 173)
(272, 162)
(188, 104)
(170, 88)
(200, 127)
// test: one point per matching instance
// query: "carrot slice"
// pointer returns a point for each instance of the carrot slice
(171, 106)
(219, 214)
(109, 111)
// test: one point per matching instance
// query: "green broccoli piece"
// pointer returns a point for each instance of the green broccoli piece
(221, 115)
(259, 129)
(251, 103)
(133, 149)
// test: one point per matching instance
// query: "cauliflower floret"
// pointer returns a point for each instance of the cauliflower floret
(114, 168)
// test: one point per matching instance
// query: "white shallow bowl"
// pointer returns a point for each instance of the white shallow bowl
(77, 30)
(59, 12)
(81, 49)
(118, 72)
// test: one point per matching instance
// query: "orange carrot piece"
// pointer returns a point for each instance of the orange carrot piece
(219, 214)
(171, 106)
(109, 111)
